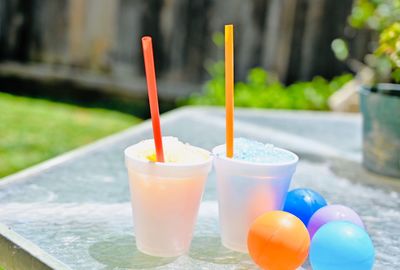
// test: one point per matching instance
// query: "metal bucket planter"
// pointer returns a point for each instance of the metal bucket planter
(380, 107)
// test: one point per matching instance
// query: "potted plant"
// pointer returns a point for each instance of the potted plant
(380, 97)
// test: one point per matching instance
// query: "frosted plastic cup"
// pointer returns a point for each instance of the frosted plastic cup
(165, 200)
(247, 190)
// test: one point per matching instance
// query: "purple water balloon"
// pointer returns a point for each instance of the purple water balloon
(334, 212)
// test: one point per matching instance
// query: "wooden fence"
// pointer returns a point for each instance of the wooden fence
(289, 37)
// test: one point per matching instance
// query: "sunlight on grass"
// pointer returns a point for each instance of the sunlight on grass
(33, 130)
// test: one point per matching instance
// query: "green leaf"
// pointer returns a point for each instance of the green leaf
(218, 39)
(396, 75)
(340, 49)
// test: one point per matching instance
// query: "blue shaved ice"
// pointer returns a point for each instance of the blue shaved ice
(253, 151)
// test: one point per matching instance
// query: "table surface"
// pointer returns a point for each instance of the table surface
(73, 212)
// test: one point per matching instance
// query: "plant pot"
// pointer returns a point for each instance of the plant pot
(380, 107)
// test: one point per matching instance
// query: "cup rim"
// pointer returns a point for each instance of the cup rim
(168, 164)
(220, 148)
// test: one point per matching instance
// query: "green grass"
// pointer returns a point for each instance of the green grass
(33, 130)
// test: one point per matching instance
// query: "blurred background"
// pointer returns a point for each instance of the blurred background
(71, 71)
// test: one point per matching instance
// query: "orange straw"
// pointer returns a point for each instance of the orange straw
(153, 99)
(229, 86)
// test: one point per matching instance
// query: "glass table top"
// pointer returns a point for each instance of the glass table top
(73, 212)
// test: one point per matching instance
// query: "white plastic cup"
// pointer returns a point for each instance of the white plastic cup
(247, 190)
(165, 201)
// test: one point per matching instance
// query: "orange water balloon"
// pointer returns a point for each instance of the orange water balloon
(278, 240)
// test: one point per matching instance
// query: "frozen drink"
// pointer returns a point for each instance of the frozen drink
(166, 196)
(254, 181)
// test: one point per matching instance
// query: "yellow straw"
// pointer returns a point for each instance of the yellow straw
(229, 87)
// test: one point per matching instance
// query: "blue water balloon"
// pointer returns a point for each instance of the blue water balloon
(341, 245)
(303, 203)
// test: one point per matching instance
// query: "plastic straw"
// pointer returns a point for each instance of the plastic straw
(153, 99)
(229, 86)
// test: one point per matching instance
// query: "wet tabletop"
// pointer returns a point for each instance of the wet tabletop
(73, 212)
